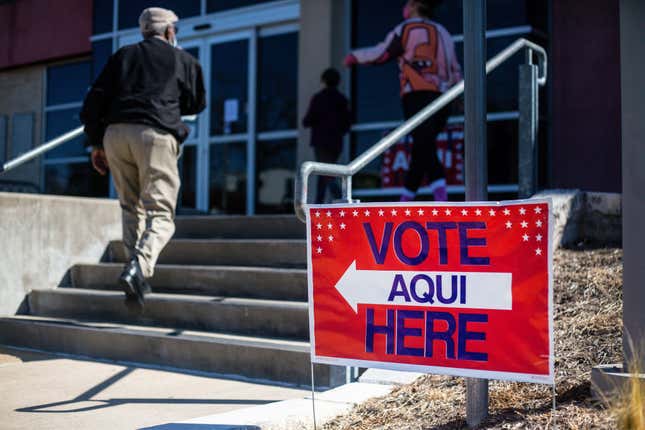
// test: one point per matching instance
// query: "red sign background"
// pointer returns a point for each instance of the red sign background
(450, 150)
(518, 341)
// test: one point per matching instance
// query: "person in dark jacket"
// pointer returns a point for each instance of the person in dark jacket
(132, 117)
(329, 118)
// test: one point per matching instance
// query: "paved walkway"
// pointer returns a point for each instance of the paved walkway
(44, 391)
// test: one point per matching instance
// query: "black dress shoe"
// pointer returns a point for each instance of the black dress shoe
(133, 282)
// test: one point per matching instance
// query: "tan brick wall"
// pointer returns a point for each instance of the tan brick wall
(21, 91)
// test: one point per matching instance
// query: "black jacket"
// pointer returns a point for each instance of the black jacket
(329, 118)
(148, 83)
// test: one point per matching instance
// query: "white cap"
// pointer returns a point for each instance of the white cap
(154, 18)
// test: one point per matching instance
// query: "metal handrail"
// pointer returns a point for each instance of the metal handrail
(347, 171)
(47, 146)
(53, 144)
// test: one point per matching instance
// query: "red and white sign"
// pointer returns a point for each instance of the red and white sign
(450, 150)
(462, 289)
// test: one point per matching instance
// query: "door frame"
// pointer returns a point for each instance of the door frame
(250, 35)
(197, 143)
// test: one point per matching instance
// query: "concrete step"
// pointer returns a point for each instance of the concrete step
(228, 252)
(251, 357)
(240, 227)
(228, 281)
(253, 317)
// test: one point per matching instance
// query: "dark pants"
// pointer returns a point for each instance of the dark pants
(424, 160)
(326, 155)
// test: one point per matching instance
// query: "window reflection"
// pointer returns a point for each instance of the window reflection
(188, 174)
(502, 137)
(375, 88)
(278, 82)
(502, 141)
(102, 12)
(4, 128)
(68, 83)
(370, 175)
(276, 164)
(101, 51)
(193, 125)
(376, 93)
(78, 179)
(59, 122)
(502, 83)
(221, 5)
(229, 87)
(228, 178)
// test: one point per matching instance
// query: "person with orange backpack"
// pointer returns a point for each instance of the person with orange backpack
(428, 67)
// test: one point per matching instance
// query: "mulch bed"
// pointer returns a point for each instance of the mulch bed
(588, 319)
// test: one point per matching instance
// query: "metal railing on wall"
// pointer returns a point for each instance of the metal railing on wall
(53, 144)
(530, 77)
(36, 152)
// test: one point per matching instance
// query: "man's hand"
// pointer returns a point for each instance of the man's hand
(99, 161)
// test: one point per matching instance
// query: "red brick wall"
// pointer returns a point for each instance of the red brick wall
(585, 79)
(33, 31)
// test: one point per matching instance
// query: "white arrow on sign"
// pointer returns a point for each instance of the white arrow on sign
(483, 290)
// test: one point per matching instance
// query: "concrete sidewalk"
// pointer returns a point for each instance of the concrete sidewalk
(294, 414)
(46, 391)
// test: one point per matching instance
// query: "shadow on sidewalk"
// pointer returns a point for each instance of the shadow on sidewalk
(180, 426)
(88, 395)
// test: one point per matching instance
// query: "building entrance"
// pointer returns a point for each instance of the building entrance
(240, 157)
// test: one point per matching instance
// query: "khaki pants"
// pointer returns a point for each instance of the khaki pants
(143, 162)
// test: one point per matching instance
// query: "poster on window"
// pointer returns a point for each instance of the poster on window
(450, 150)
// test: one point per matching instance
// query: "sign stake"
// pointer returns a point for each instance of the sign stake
(475, 154)
(313, 399)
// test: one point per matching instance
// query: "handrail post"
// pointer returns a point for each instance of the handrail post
(301, 191)
(528, 56)
(528, 127)
(476, 155)
(347, 188)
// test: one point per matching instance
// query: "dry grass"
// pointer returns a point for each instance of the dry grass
(629, 404)
(588, 318)
(630, 407)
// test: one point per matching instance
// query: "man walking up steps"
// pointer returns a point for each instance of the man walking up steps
(132, 117)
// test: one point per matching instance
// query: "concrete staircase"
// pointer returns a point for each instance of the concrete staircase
(229, 297)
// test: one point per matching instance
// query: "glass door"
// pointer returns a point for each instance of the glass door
(232, 123)
(188, 162)
(253, 80)
(277, 123)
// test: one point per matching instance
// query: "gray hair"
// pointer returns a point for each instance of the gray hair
(154, 21)
(156, 29)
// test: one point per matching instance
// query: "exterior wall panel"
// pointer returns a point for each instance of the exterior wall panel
(33, 31)
(586, 96)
